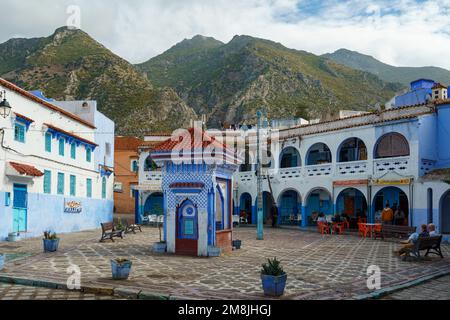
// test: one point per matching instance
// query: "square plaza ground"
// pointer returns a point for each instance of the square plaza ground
(318, 266)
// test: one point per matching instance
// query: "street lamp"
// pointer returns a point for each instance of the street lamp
(260, 214)
(5, 107)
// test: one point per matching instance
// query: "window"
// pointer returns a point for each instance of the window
(60, 183)
(89, 188)
(61, 147)
(104, 188)
(47, 181)
(48, 142)
(392, 145)
(430, 206)
(108, 148)
(19, 132)
(73, 150)
(88, 154)
(73, 185)
(134, 166)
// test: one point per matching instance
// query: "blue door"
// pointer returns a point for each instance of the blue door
(20, 208)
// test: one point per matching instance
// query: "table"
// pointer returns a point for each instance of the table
(369, 228)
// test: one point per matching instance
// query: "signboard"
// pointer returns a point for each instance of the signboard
(72, 206)
(118, 187)
(350, 182)
(381, 182)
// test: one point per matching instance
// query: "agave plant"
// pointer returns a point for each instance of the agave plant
(272, 268)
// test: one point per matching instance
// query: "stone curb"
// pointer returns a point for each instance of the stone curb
(121, 292)
(389, 290)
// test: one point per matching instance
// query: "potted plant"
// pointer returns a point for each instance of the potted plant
(161, 246)
(2, 261)
(120, 269)
(273, 278)
(237, 244)
(51, 242)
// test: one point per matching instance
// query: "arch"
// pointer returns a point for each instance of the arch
(353, 203)
(154, 204)
(245, 207)
(445, 213)
(267, 207)
(318, 200)
(220, 210)
(318, 153)
(290, 206)
(391, 145)
(352, 149)
(187, 223)
(395, 198)
(149, 164)
(290, 158)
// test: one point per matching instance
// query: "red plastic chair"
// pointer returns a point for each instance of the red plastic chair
(339, 227)
(323, 227)
(362, 230)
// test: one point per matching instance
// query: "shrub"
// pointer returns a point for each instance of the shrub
(272, 268)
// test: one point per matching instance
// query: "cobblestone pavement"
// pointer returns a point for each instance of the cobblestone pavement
(438, 288)
(318, 266)
(18, 292)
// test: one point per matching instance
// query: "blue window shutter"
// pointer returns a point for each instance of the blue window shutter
(60, 183)
(19, 132)
(47, 182)
(48, 142)
(89, 188)
(73, 150)
(88, 154)
(61, 147)
(104, 188)
(73, 183)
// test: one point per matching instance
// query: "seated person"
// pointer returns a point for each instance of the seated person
(409, 244)
(432, 230)
(322, 218)
(337, 218)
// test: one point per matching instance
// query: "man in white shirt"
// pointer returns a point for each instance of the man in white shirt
(432, 230)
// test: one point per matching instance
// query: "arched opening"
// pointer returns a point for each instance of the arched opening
(445, 213)
(150, 165)
(352, 203)
(289, 205)
(318, 154)
(245, 208)
(352, 149)
(267, 208)
(220, 210)
(318, 201)
(391, 145)
(154, 205)
(290, 158)
(396, 199)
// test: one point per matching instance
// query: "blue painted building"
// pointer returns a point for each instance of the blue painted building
(55, 172)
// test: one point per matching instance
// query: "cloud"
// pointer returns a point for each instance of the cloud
(403, 33)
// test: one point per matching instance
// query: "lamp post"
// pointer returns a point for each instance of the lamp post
(260, 222)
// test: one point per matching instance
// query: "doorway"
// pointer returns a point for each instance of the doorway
(20, 196)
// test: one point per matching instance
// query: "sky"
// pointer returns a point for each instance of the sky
(400, 33)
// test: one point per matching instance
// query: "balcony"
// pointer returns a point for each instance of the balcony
(319, 170)
(383, 166)
(353, 168)
(290, 173)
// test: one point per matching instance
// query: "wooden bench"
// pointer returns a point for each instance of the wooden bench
(431, 244)
(388, 230)
(109, 232)
(131, 227)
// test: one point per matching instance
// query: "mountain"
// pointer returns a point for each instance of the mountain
(71, 65)
(229, 82)
(403, 75)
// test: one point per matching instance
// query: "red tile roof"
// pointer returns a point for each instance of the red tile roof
(70, 134)
(127, 143)
(32, 97)
(26, 169)
(197, 139)
(23, 117)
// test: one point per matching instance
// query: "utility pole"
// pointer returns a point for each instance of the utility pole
(260, 222)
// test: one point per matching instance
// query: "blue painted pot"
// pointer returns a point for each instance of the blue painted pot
(2, 261)
(159, 247)
(273, 286)
(51, 245)
(120, 271)
(237, 244)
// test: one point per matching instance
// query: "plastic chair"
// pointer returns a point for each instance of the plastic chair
(323, 227)
(339, 227)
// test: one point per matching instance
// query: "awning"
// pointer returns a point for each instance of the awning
(22, 170)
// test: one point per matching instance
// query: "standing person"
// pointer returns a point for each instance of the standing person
(399, 216)
(387, 215)
(274, 216)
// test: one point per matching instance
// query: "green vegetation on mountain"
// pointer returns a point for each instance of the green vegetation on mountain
(71, 65)
(229, 82)
(403, 75)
